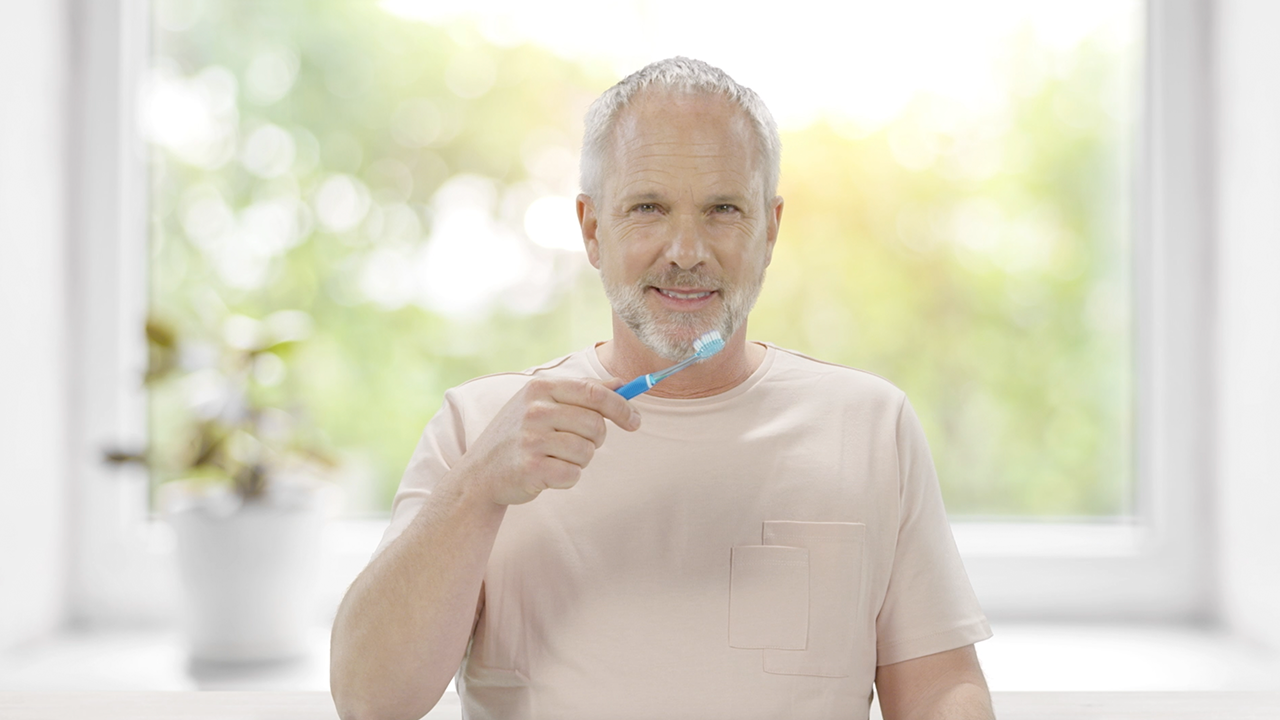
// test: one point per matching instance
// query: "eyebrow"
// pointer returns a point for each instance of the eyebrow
(642, 197)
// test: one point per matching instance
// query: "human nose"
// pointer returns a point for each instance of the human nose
(688, 246)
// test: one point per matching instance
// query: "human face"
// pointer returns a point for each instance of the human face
(683, 213)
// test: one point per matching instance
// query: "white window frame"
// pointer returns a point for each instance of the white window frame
(123, 569)
(1160, 566)
(1157, 568)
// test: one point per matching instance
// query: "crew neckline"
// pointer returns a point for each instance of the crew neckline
(658, 402)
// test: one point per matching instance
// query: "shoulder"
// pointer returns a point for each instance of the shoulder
(833, 382)
(490, 392)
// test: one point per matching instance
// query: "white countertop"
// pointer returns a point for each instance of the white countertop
(1021, 657)
(319, 706)
(1034, 671)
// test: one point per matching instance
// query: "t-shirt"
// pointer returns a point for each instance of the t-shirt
(753, 554)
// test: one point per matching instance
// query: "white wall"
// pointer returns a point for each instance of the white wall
(1248, 315)
(33, 290)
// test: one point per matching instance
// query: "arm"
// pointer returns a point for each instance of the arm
(401, 631)
(943, 686)
(403, 627)
(930, 604)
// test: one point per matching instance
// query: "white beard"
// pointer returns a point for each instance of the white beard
(670, 334)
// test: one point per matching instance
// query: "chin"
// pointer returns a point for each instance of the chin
(675, 344)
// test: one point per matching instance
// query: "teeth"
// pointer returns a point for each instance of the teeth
(683, 296)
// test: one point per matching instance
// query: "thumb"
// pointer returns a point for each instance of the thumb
(614, 383)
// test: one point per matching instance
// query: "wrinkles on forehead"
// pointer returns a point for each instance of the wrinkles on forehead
(684, 143)
(710, 186)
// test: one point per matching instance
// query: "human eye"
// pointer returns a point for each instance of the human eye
(645, 208)
(725, 208)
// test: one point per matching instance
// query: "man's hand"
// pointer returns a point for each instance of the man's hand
(544, 436)
(943, 686)
(403, 628)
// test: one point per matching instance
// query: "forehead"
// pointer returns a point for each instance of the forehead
(660, 133)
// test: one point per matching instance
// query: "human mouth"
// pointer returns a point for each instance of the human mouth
(686, 294)
(684, 298)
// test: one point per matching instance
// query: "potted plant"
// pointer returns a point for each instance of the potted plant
(242, 482)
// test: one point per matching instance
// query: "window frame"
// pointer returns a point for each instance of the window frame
(1157, 567)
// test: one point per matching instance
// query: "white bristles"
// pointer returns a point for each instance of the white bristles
(708, 344)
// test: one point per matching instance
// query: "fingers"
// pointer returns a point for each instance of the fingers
(598, 396)
(556, 474)
(570, 448)
(546, 435)
(580, 421)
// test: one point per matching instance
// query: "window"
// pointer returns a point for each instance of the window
(394, 183)
(400, 179)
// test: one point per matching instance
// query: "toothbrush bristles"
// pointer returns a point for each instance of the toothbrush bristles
(708, 344)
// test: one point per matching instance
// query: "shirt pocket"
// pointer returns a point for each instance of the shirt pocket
(835, 569)
(768, 597)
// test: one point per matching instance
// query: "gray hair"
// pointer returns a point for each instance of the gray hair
(674, 74)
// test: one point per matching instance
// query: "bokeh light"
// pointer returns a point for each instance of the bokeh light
(392, 186)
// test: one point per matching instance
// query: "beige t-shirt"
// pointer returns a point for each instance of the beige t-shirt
(754, 554)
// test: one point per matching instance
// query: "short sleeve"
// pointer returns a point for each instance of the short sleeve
(929, 606)
(442, 444)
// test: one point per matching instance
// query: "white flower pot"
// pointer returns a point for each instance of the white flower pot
(248, 570)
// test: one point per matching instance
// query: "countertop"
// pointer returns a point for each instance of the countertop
(319, 706)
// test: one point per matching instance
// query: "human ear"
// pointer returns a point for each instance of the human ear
(775, 221)
(589, 224)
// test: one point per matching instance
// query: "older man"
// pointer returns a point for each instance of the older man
(768, 543)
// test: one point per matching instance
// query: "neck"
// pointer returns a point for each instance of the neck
(626, 358)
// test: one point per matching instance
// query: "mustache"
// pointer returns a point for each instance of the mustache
(683, 279)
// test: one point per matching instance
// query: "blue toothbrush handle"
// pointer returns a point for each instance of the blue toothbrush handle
(635, 387)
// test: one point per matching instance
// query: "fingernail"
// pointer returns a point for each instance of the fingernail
(635, 418)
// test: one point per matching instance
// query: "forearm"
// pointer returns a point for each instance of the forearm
(401, 631)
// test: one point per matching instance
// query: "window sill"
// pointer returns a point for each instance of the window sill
(1021, 657)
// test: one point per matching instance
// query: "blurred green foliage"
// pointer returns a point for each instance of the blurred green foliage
(982, 265)
(233, 433)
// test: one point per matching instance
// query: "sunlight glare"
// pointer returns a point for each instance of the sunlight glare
(887, 53)
(550, 222)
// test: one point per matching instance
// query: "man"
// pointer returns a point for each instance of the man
(768, 542)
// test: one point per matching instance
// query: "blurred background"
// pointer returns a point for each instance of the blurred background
(248, 246)
(401, 177)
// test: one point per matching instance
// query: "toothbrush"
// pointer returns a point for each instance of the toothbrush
(705, 346)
